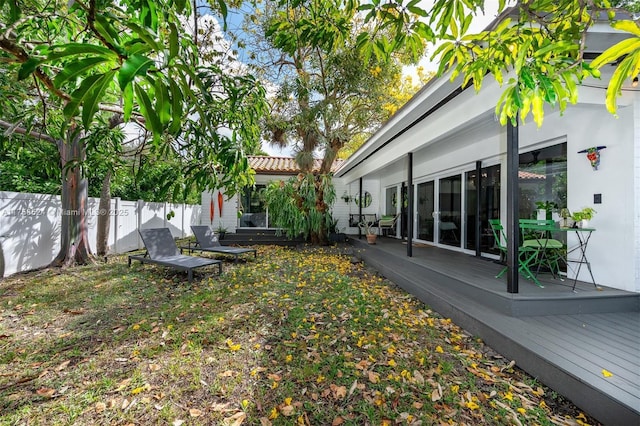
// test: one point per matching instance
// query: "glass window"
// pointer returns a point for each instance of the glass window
(254, 212)
(543, 179)
(391, 201)
(489, 207)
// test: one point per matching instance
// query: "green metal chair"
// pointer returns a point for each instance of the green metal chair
(536, 234)
(526, 255)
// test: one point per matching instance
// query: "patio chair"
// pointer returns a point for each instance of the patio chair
(536, 233)
(162, 250)
(526, 255)
(207, 241)
(387, 223)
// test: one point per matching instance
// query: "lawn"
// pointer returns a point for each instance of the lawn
(298, 336)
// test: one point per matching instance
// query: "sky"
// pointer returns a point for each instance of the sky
(478, 24)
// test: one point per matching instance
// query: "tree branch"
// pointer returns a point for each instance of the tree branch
(22, 131)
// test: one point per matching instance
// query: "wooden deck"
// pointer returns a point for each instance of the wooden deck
(565, 339)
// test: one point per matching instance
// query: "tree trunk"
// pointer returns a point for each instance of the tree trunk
(74, 243)
(104, 216)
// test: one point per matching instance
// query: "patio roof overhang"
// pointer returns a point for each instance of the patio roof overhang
(434, 109)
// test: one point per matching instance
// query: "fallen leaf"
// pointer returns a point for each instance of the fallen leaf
(63, 365)
(123, 384)
(74, 311)
(227, 373)
(337, 421)
(436, 395)
(154, 367)
(353, 387)
(606, 373)
(46, 392)
(177, 423)
(339, 392)
(236, 420)
(194, 412)
(287, 410)
(374, 377)
(362, 365)
(418, 378)
(100, 407)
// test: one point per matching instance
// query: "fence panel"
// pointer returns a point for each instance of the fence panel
(30, 226)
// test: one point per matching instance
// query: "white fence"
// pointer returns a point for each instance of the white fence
(30, 226)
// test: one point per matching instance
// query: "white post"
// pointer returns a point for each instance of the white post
(139, 218)
(184, 234)
(116, 223)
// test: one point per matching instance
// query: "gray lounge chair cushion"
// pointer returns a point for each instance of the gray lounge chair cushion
(162, 250)
(208, 241)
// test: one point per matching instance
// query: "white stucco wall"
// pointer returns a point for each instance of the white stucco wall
(614, 249)
(229, 218)
(636, 193)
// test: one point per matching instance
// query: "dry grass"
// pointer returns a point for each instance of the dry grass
(295, 337)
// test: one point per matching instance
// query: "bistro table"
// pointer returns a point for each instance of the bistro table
(541, 232)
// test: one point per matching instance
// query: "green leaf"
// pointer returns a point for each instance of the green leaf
(134, 65)
(71, 49)
(27, 68)
(148, 37)
(71, 108)
(163, 103)
(176, 107)
(627, 67)
(616, 51)
(127, 98)
(222, 4)
(174, 43)
(106, 30)
(537, 103)
(152, 120)
(95, 93)
(75, 69)
(627, 26)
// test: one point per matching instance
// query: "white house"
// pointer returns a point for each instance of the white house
(247, 210)
(451, 137)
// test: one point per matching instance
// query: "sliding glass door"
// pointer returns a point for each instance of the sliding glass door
(489, 203)
(426, 208)
(450, 210)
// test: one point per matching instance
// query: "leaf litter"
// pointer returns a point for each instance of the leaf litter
(298, 336)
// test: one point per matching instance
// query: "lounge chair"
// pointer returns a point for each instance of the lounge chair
(162, 250)
(206, 240)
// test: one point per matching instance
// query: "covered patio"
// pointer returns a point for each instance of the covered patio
(566, 339)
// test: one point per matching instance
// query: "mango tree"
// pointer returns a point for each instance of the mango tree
(77, 56)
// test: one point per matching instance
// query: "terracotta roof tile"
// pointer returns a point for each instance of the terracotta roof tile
(283, 165)
(528, 175)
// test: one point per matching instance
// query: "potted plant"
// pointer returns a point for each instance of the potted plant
(335, 236)
(582, 217)
(565, 214)
(546, 209)
(370, 231)
(221, 230)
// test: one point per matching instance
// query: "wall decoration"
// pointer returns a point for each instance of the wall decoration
(593, 155)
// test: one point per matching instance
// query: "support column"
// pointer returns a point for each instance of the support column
(360, 209)
(512, 228)
(477, 223)
(410, 204)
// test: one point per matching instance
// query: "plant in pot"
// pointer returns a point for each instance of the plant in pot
(582, 217)
(370, 231)
(335, 236)
(221, 230)
(546, 209)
